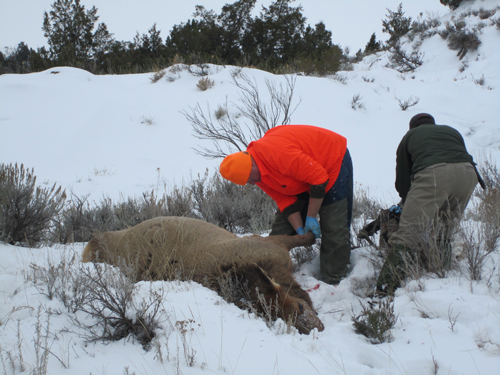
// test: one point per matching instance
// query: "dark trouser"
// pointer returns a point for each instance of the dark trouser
(435, 203)
(335, 222)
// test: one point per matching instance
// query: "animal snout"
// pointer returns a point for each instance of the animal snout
(307, 321)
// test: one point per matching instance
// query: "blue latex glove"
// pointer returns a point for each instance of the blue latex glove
(396, 209)
(300, 230)
(312, 225)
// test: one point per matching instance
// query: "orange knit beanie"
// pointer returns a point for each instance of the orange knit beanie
(236, 167)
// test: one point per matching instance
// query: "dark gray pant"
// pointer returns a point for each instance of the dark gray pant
(335, 222)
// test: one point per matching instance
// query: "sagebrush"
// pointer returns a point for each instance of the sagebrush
(460, 37)
(27, 211)
(376, 321)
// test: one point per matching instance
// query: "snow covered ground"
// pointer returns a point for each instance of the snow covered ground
(119, 136)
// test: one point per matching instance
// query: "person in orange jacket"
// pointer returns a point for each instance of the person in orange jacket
(306, 170)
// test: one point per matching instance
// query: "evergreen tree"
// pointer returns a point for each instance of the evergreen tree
(150, 44)
(276, 37)
(318, 54)
(40, 60)
(396, 25)
(123, 57)
(17, 61)
(276, 40)
(234, 21)
(273, 40)
(453, 4)
(372, 46)
(197, 39)
(317, 41)
(69, 30)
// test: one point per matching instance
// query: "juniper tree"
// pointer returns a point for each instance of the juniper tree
(235, 20)
(276, 36)
(150, 44)
(17, 61)
(199, 37)
(453, 4)
(396, 25)
(275, 39)
(70, 33)
(318, 54)
(372, 46)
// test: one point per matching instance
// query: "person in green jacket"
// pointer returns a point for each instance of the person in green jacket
(435, 178)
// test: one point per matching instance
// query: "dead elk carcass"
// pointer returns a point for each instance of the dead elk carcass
(167, 248)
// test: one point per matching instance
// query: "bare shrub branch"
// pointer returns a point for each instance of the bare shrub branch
(356, 102)
(488, 208)
(41, 343)
(478, 243)
(410, 102)
(364, 209)
(452, 318)
(113, 309)
(200, 69)
(186, 330)
(264, 116)
(227, 133)
(431, 249)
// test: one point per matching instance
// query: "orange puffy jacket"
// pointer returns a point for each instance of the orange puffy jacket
(291, 158)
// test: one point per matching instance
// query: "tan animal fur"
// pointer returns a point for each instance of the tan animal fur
(167, 248)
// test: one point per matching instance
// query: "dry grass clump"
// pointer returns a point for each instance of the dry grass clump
(205, 84)
(158, 75)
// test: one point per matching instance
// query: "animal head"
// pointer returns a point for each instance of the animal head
(291, 308)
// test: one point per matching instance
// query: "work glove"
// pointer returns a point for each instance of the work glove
(312, 225)
(396, 209)
(300, 230)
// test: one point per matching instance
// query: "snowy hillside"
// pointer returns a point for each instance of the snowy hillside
(119, 136)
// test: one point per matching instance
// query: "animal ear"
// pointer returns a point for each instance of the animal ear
(266, 277)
